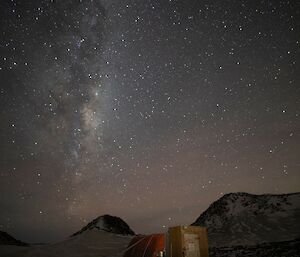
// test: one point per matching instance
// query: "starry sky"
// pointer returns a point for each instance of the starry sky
(144, 109)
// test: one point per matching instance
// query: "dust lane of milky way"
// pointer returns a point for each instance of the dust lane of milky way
(147, 110)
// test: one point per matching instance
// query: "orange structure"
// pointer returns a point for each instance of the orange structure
(180, 241)
(146, 246)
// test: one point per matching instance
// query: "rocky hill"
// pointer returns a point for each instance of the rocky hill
(108, 223)
(246, 219)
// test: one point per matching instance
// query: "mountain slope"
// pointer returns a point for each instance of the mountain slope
(91, 243)
(6, 239)
(245, 219)
(105, 236)
(108, 223)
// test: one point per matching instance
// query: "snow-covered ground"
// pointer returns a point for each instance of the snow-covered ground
(7, 249)
(277, 249)
(92, 243)
(100, 244)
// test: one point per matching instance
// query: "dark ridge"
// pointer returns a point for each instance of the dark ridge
(6, 239)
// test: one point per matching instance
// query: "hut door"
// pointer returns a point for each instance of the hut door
(191, 245)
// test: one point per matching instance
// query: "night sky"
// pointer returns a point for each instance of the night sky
(147, 110)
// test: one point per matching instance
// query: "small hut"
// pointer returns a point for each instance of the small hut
(180, 241)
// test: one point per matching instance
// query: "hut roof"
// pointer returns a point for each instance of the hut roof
(145, 246)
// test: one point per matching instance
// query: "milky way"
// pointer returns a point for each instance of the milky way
(148, 110)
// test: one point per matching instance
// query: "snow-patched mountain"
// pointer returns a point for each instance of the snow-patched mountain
(246, 219)
(91, 243)
(106, 236)
(6, 239)
(108, 223)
